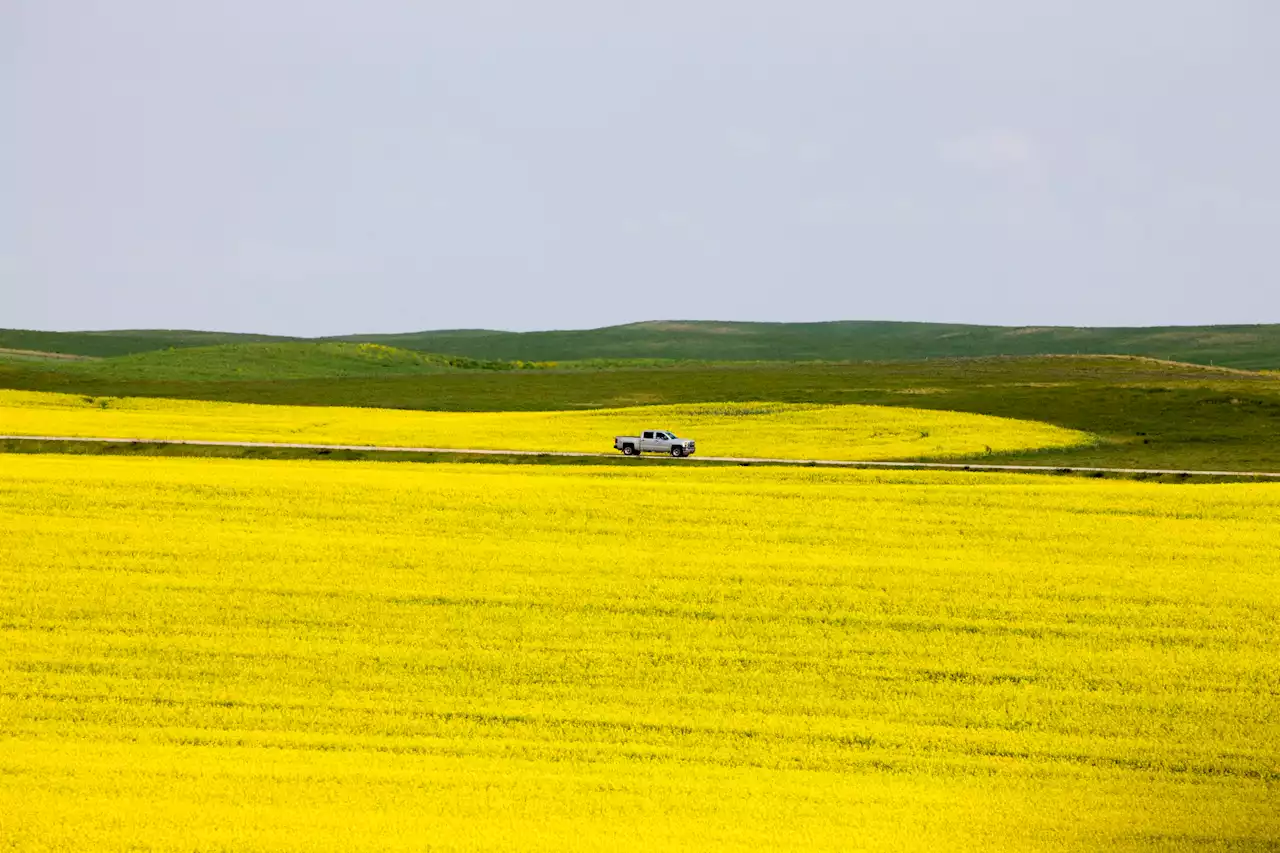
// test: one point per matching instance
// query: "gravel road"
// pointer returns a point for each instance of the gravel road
(953, 466)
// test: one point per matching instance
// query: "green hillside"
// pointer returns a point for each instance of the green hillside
(268, 361)
(123, 342)
(1248, 347)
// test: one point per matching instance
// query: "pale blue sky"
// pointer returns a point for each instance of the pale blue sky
(338, 166)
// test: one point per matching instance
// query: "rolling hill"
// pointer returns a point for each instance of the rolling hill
(1247, 347)
(268, 361)
(122, 342)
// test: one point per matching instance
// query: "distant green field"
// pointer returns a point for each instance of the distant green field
(125, 342)
(288, 359)
(1150, 414)
(1248, 347)
(270, 361)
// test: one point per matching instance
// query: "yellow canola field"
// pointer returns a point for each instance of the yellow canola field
(290, 656)
(790, 431)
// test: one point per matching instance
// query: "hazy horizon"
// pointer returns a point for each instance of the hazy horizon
(366, 332)
(336, 168)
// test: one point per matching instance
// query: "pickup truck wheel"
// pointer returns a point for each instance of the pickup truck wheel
(628, 450)
(677, 451)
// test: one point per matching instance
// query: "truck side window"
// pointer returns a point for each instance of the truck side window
(648, 435)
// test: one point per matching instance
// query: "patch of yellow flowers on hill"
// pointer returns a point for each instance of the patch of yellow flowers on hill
(790, 431)
(289, 656)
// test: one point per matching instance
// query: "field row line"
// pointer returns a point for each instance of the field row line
(747, 460)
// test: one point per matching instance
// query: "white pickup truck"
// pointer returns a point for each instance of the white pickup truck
(654, 441)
